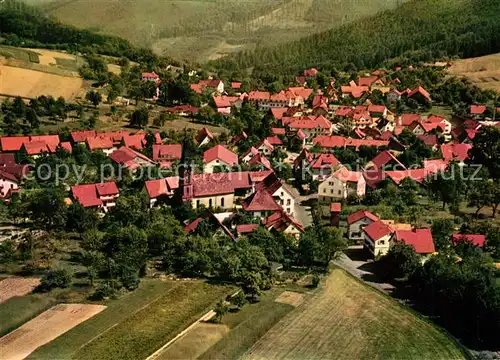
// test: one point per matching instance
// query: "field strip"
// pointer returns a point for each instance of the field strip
(132, 314)
(205, 317)
(44, 328)
(16, 286)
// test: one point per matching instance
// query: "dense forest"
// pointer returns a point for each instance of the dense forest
(417, 31)
(23, 25)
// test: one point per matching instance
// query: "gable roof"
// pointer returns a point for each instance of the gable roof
(169, 152)
(477, 109)
(455, 151)
(377, 230)
(385, 157)
(157, 188)
(361, 214)
(7, 159)
(280, 221)
(97, 143)
(129, 158)
(246, 228)
(221, 153)
(260, 200)
(477, 240)
(420, 239)
(346, 175)
(81, 136)
(420, 90)
(89, 195)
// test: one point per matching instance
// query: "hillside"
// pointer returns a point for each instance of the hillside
(417, 30)
(208, 29)
(483, 71)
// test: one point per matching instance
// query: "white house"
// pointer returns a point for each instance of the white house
(357, 221)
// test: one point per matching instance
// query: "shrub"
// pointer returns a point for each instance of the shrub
(315, 281)
(59, 278)
(239, 299)
(103, 291)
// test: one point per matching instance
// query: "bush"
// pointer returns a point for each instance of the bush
(130, 281)
(239, 299)
(315, 281)
(60, 278)
(103, 292)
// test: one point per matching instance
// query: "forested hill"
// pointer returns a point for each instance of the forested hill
(23, 25)
(418, 30)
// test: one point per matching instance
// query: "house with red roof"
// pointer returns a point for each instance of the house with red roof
(161, 188)
(130, 159)
(261, 204)
(357, 221)
(312, 72)
(276, 141)
(377, 111)
(369, 81)
(151, 76)
(282, 222)
(378, 237)
(236, 85)
(478, 111)
(393, 95)
(104, 144)
(260, 161)
(204, 137)
(420, 95)
(342, 183)
(183, 110)
(455, 152)
(101, 195)
(474, 239)
(354, 91)
(208, 85)
(280, 191)
(249, 154)
(218, 157)
(311, 126)
(385, 160)
(224, 103)
(420, 239)
(80, 137)
(217, 228)
(165, 155)
(301, 80)
(320, 165)
(9, 182)
(243, 229)
(265, 148)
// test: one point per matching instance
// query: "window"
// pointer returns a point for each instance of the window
(217, 161)
(331, 191)
(210, 203)
(324, 191)
(197, 204)
(222, 202)
(340, 192)
(382, 242)
(288, 202)
(282, 193)
(288, 210)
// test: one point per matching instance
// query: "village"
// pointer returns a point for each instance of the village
(360, 161)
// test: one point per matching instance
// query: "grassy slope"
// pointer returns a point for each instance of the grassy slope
(138, 324)
(349, 320)
(247, 326)
(453, 27)
(205, 29)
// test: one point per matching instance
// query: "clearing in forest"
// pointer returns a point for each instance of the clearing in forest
(16, 286)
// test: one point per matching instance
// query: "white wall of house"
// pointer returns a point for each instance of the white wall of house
(208, 168)
(224, 201)
(286, 200)
(378, 247)
(6, 185)
(263, 149)
(333, 188)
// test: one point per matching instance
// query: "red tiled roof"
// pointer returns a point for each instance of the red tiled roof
(136, 141)
(150, 75)
(346, 175)
(129, 158)
(477, 109)
(310, 72)
(420, 239)
(167, 152)
(246, 228)
(183, 109)
(343, 111)
(8, 176)
(96, 143)
(266, 144)
(81, 136)
(274, 140)
(235, 85)
(221, 153)
(7, 159)
(336, 207)
(107, 188)
(384, 158)
(408, 119)
(455, 151)
(428, 139)
(377, 230)
(280, 221)
(13, 143)
(378, 109)
(260, 160)
(420, 90)
(260, 200)
(278, 112)
(361, 214)
(224, 101)
(278, 131)
(477, 240)
(202, 134)
(321, 160)
(66, 145)
(416, 174)
(52, 141)
(156, 188)
(259, 95)
(36, 147)
(367, 81)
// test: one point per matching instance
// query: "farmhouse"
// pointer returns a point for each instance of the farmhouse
(357, 221)
(377, 237)
(102, 195)
(341, 184)
(218, 158)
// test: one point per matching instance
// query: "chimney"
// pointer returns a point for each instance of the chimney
(335, 210)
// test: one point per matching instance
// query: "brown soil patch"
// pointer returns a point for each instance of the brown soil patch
(11, 287)
(195, 342)
(44, 328)
(290, 298)
(483, 71)
(30, 83)
(115, 69)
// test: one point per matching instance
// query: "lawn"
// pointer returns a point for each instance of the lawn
(349, 320)
(247, 326)
(139, 323)
(19, 54)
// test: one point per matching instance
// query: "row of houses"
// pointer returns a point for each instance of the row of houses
(378, 235)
